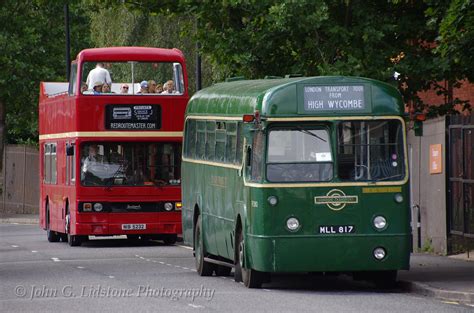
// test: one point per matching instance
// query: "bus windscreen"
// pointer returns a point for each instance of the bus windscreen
(130, 164)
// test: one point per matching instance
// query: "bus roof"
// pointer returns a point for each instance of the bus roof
(290, 97)
(131, 54)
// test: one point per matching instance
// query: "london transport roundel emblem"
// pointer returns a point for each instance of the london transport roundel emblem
(336, 199)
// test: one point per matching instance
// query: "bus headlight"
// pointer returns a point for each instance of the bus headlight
(379, 253)
(98, 207)
(168, 206)
(292, 224)
(398, 198)
(380, 222)
(272, 200)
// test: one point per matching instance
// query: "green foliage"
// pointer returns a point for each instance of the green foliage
(129, 25)
(32, 42)
(426, 41)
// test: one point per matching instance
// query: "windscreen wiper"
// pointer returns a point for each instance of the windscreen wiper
(305, 131)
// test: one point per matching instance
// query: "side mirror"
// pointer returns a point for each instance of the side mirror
(70, 150)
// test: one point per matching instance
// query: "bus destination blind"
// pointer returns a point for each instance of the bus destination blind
(133, 117)
(334, 98)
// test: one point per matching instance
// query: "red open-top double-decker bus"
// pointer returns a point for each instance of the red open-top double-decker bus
(110, 155)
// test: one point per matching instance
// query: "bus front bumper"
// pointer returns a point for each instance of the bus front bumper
(327, 254)
(110, 229)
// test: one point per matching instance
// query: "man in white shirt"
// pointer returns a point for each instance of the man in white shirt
(98, 74)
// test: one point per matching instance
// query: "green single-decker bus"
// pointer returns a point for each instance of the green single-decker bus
(295, 175)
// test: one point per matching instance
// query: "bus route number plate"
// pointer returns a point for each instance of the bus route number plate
(336, 229)
(133, 226)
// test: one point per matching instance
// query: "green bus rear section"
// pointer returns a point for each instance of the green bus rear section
(219, 194)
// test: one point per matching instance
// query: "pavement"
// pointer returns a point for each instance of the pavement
(449, 278)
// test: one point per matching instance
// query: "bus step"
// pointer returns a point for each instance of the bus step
(223, 263)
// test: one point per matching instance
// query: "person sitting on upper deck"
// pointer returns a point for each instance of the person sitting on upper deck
(124, 88)
(143, 87)
(168, 87)
(106, 88)
(159, 88)
(83, 87)
(97, 89)
(98, 74)
(151, 86)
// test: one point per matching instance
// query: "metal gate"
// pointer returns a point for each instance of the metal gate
(461, 182)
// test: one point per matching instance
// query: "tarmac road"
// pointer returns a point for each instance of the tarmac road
(117, 275)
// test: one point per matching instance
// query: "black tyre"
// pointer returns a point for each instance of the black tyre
(250, 277)
(50, 234)
(223, 270)
(203, 268)
(74, 240)
(170, 239)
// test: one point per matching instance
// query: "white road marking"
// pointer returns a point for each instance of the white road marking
(185, 268)
(56, 259)
(185, 247)
(266, 289)
(14, 246)
(80, 267)
(177, 266)
(162, 263)
(111, 276)
(33, 251)
(196, 306)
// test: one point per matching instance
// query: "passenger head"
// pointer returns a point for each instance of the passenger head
(168, 87)
(159, 88)
(124, 88)
(98, 86)
(144, 86)
(83, 87)
(106, 88)
(151, 86)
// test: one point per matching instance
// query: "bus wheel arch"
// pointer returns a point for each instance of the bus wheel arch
(203, 267)
(196, 214)
(243, 272)
(50, 234)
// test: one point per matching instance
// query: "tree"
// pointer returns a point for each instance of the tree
(333, 37)
(33, 47)
(127, 25)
